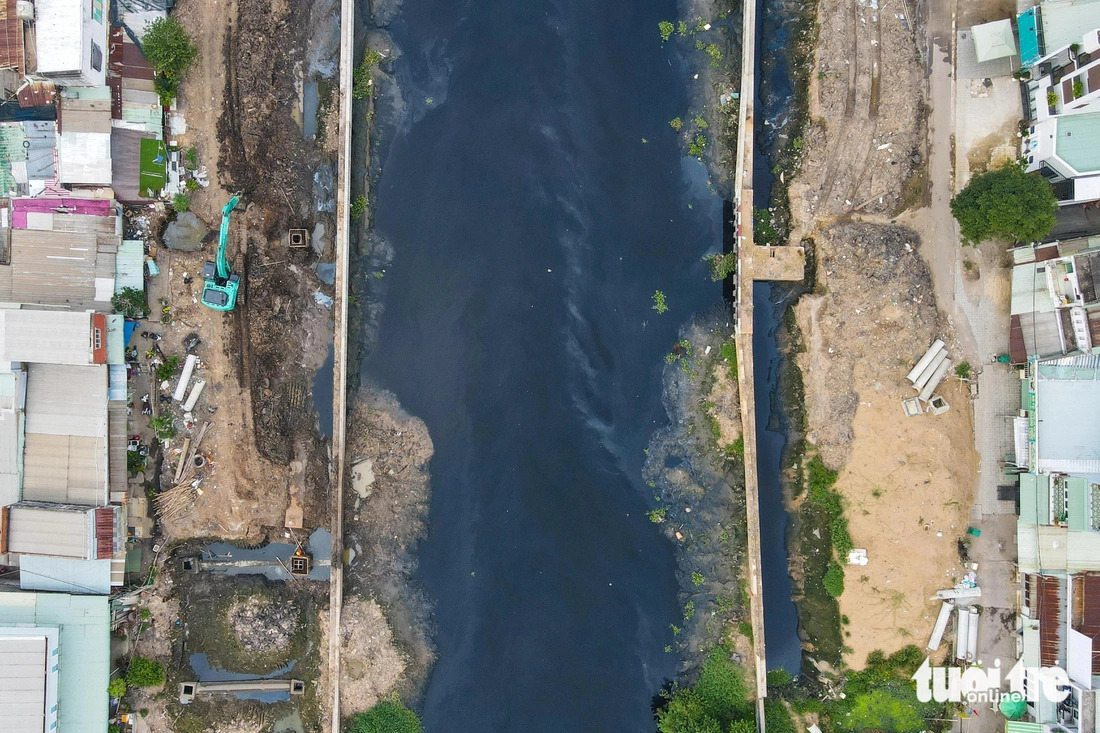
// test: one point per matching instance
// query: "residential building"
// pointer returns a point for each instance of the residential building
(1060, 53)
(1058, 534)
(1055, 306)
(71, 36)
(54, 662)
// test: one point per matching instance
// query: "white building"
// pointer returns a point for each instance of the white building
(72, 41)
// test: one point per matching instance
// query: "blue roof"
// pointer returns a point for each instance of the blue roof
(1027, 27)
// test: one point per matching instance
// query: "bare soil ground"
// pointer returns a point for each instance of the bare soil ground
(240, 101)
(907, 482)
(866, 127)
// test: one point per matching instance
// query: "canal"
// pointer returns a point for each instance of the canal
(536, 198)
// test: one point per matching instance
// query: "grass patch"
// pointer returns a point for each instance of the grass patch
(152, 167)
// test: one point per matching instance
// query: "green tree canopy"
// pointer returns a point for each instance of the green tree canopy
(1006, 203)
(388, 716)
(130, 302)
(170, 52)
(144, 673)
(686, 713)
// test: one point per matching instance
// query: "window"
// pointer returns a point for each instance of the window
(98, 339)
(97, 11)
(97, 57)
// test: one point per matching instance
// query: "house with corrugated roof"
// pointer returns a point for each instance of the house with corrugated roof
(1055, 303)
(55, 662)
(1058, 531)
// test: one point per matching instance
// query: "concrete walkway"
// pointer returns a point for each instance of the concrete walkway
(978, 311)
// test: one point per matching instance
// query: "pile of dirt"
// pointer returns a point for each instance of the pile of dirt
(263, 152)
(371, 664)
(261, 624)
(873, 309)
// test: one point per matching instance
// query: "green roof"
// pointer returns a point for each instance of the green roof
(84, 649)
(1034, 501)
(152, 172)
(1078, 141)
(1077, 502)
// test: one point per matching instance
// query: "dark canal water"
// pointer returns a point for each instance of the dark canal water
(531, 225)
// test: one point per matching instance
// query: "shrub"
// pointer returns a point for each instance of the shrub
(736, 449)
(698, 578)
(388, 716)
(358, 207)
(170, 52)
(676, 124)
(192, 157)
(1078, 89)
(776, 718)
(666, 29)
(779, 677)
(167, 368)
(144, 672)
(1052, 98)
(834, 580)
(181, 202)
(962, 371)
(698, 145)
(117, 687)
(721, 687)
(130, 302)
(721, 266)
(729, 355)
(164, 426)
(135, 462)
(1006, 203)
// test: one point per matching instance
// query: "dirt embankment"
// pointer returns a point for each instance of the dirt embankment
(906, 483)
(385, 515)
(694, 468)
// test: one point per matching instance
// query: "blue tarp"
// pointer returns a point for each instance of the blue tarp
(128, 331)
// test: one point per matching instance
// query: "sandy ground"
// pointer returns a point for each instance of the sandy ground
(907, 482)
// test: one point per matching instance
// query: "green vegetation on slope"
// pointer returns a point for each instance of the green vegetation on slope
(718, 700)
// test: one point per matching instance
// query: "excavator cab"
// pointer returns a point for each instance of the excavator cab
(220, 285)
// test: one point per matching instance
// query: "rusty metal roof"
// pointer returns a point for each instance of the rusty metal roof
(11, 37)
(1047, 601)
(37, 94)
(1086, 611)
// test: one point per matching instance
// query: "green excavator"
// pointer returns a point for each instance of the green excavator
(219, 289)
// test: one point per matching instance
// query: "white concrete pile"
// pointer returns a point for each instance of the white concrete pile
(925, 377)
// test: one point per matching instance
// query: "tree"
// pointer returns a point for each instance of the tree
(116, 688)
(388, 716)
(1006, 203)
(170, 52)
(130, 302)
(686, 713)
(144, 672)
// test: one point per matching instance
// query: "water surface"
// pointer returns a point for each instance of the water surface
(536, 197)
